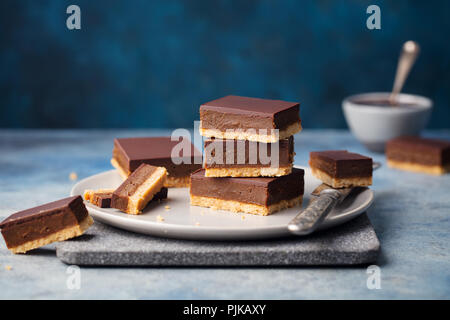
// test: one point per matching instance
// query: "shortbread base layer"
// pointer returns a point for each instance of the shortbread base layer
(252, 136)
(236, 206)
(415, 167)
(248, 172)
(177, 182)
(171, 182)
(341, 182)
(64, 234)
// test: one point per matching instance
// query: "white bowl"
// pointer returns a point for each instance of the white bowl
(374, 125)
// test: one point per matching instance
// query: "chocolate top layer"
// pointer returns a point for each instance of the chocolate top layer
(341, 163)
(75, 204)
(421, 150)
(339, 155)
(246, 105)
(262, 191)
(230, 149)
(151, 147)
(155, 151)
(246, 113)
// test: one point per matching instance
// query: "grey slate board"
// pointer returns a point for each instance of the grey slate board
(352, 243)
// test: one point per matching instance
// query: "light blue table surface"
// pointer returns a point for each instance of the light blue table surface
(411, 216)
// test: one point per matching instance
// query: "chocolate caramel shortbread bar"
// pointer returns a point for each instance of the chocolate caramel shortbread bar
(253, 119)
(260, 196)
(138, 189)
(36, 227)
(340, 168)
(417, 154)
(130, 153)
(243, 158)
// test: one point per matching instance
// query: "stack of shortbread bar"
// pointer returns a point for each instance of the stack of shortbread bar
(248, 156)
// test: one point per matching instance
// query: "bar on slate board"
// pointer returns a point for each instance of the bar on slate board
(260, 196)
(55, 221)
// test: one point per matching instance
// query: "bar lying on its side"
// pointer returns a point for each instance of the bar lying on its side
(133, 195)
(102, 197)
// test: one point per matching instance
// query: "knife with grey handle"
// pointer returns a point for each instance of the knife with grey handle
(312, 216)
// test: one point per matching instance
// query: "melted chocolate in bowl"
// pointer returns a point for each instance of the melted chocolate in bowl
(383, 103)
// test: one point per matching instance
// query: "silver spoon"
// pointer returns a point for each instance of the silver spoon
(408, 56)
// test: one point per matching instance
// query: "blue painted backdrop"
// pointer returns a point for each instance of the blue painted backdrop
(152, 63)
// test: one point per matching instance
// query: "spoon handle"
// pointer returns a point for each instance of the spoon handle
(408, 56)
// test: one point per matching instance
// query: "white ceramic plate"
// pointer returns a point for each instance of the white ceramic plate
(184, 221)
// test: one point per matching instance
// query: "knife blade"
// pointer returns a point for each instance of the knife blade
(324, 200)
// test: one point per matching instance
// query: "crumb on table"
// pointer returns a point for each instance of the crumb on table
(73, 176)
(159, 218)
(8, 268)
